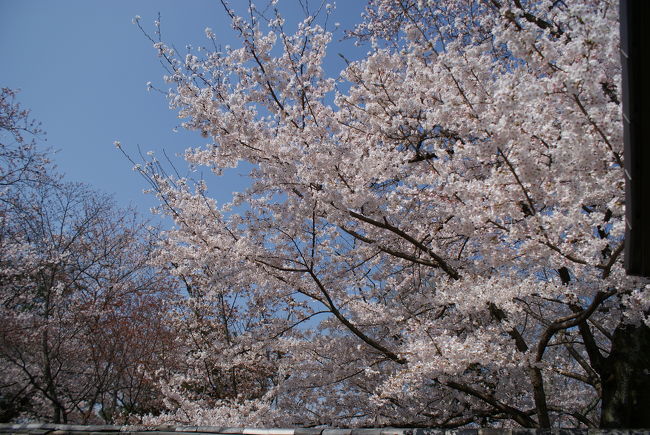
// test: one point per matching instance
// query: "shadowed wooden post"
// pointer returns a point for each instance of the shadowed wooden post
(624, 372)
(635, 47)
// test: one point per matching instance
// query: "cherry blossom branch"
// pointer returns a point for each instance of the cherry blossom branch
(534, 372)
(600, 132)
(389, 251)
(293, 325)
(517, 415)
(337, 313)
(356, 331)
(592, 375)
(595, 357)
(607, 268)
(498, 314)
(558, 325)
(567, 256)
(521, 185)
(395, 230)
(578, 416)
(570, 321)
(539, 22)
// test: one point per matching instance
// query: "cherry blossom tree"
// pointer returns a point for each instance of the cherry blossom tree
(431, 238)
(21, 162)
(81, 335)
(79, 307)
(22, 167)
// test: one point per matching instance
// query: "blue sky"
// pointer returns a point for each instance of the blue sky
(82, 68)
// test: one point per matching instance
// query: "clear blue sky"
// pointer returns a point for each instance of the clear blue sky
(82, 68)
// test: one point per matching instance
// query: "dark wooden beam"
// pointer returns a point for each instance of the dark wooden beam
(635, 51)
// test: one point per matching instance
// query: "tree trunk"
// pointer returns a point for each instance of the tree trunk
(625, 379)
(58, 412)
